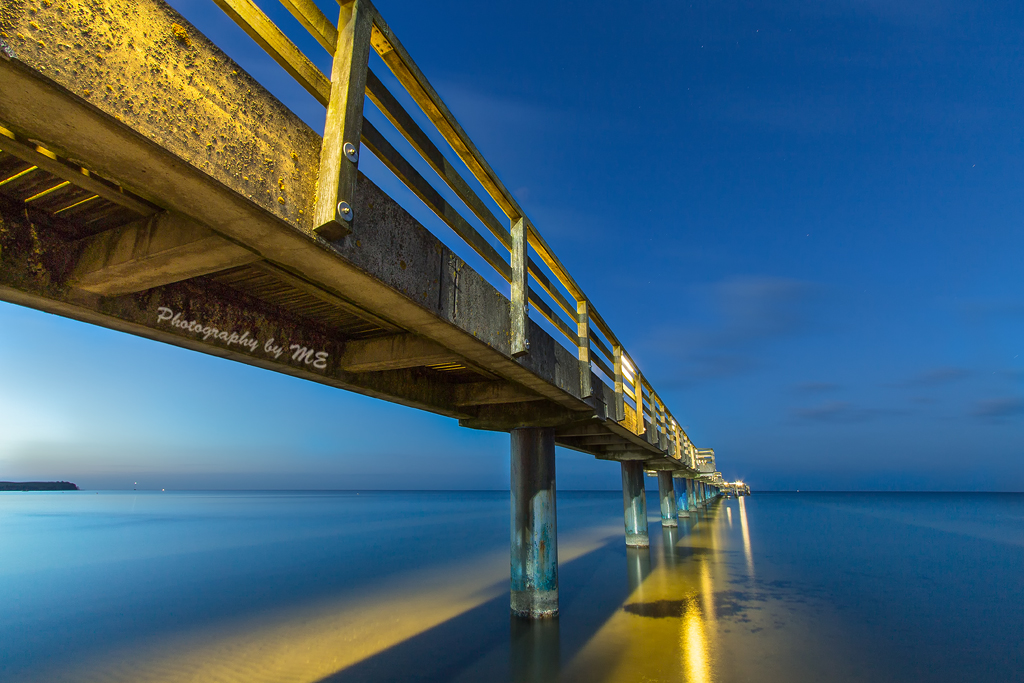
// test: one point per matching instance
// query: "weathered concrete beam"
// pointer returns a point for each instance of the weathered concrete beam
(599, 440)
(623, 456)
(661, 464)
(506, 417)
(394, 353)
(151, 252)
(491, 393)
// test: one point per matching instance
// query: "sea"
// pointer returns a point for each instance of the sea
(338, 586)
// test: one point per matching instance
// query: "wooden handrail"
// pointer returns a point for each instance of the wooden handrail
(588, 331)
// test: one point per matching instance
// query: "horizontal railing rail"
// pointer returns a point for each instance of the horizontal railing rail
(361, 28)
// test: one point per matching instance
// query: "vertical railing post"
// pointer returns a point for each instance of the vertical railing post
(520, 310)
(334, 210)
(620, 398)
(583, 332)
(663, 439)
(638, 391)
(655, 419)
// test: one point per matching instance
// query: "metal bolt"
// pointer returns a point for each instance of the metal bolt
(350, 152)
(345, 211)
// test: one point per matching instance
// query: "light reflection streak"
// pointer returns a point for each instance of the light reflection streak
(746, 537)
(696, 659)
(707, 590)
(728, 513)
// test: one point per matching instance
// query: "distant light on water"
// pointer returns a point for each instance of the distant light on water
(746, 537)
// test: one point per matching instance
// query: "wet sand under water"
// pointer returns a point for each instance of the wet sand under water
(382, 586)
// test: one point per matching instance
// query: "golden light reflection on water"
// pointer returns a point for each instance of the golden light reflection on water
(707, 590)
(308, 643)
(746, 536)
(696, 658)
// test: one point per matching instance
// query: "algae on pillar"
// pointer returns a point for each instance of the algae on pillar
(691, 494)
(682, 504)
(534, 545)
(667, 498)
(634, 503)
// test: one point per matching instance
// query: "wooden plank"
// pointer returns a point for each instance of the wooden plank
(620, 402)
(552, 317)
(405, 172)
(260, 28)
(547, 255)
(336, 183)
(315, 21)
(583, 345)
(604, 367)
(600, 344)
(408, 127)
(45, 160)
(603, 327)
(520, 294)
(538, 274)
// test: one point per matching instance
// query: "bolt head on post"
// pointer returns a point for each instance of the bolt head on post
(345, 212)
(336, 229)
(351, 153)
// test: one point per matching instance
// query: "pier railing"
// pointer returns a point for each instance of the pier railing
(524, 259)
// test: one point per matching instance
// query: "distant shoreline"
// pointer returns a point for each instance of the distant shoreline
(38, 486)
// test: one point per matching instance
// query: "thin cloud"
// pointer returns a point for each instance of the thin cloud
(816, 387)
(934, 377)
(841, 412)
(998, 408)
(735, 319)
(937, 376)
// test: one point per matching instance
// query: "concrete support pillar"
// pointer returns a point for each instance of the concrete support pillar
(682, 504)
(634, 503)
(691, 494)
(667, 498)
(534, 533)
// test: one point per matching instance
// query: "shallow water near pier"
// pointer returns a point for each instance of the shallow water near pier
(381, 586)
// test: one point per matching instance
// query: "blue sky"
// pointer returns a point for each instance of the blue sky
(802, 218)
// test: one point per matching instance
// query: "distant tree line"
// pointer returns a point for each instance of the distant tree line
(38, 486)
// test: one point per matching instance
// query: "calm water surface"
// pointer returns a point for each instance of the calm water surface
(375, 586)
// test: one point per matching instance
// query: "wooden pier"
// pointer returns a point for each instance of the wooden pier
(149, 185)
